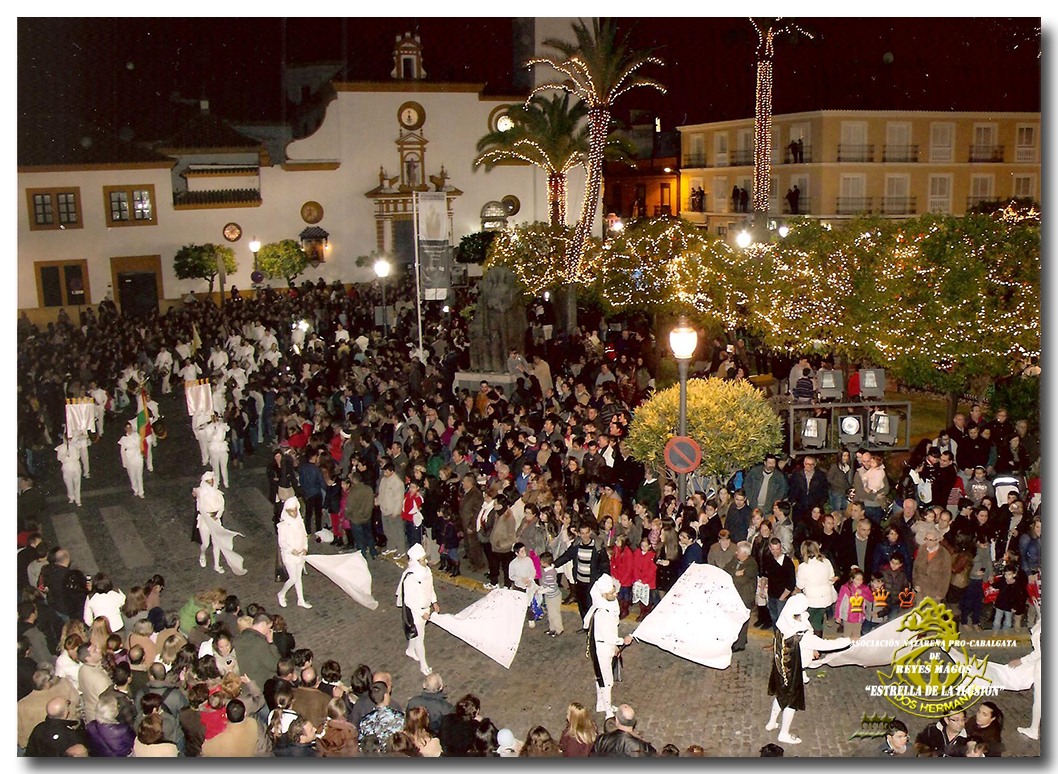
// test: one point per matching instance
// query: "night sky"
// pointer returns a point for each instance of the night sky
(105, 70)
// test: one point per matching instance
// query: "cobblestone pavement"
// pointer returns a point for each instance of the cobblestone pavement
(676, 701)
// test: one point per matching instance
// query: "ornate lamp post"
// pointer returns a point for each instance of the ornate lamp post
(256, 277)
(684, 340)
(382, 269)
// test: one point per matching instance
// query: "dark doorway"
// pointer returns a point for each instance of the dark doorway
(138, 292)
(404, 241)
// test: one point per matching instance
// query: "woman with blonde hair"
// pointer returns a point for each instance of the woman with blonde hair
(816, 579)
(339, 737)
(99, 632)
(579, 734)
(417, 726)
(135, 607)
(212, 601)
(169, 649)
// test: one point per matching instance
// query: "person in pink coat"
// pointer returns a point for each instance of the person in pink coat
(851, 600)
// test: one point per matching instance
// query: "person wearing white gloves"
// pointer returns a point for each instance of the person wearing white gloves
(210, 501)
(132, 458)
(603, 640)
(416, 592)
(293, 547)
(793, 639)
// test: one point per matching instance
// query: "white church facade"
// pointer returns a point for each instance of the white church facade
(84, 228)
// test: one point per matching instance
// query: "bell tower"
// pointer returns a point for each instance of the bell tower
(407, 58)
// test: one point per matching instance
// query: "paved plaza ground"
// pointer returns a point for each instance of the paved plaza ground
(677, 701)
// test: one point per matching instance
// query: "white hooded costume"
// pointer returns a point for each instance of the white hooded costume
(210, 502)
(70, 459)
(786, 684)
(601, 622)
(416, 591)
(293, 547)
(218, 447)
(132, 458)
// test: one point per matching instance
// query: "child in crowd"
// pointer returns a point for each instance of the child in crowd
(621, 569)
(1011, 600)
(852, 597)
(876, 612)
(894, 578)
(522, 573)
(973, 596)
(332, 503)
(644, 578)
(552, 593)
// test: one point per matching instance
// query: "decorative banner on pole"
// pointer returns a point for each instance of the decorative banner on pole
(199, 397)
(699, 619)
(80, 417)
(349, 572)
(434, 247)
(493, 624)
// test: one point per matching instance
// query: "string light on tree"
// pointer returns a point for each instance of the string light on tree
(767, 30)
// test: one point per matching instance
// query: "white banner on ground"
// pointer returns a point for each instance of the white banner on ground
(877, 648)
(699, 619)
(199, 397)
(349, 572)
(493, 624)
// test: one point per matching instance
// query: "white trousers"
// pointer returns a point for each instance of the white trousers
(83, 447)
(605, 652)
(166, 387)
(417, 644)
(135, 470)
(101, 413)
(218, 460)
(295, 566)
(233, 558)
(150, 454)
(203, 445)
(71, 476)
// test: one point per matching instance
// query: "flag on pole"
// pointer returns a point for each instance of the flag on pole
(143, 423)
(196, 341)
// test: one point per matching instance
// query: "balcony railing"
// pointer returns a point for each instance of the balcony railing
(898, 205)
(694, 160)
(900, 153)
(848, 152)
(743, 157)
(804, 155)
(986, 154)
(804, 206)
(851, 205)
(1025, 154)
(973, 200)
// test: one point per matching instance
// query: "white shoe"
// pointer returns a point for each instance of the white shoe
(1029, 733)
(532, 624)
(239, 574)
(426, 671)
(70, 501)
(219, 570)
(772, 725)
(201, 560)
(78, 503)
(142, 496)
(787, 739)
(304, 604)
(490, 586)
(282, 600)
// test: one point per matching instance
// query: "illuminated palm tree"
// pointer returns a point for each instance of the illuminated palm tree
(598, 69)
(548, 134)
(767, 30)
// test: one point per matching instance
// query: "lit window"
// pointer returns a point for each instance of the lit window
(130, 205)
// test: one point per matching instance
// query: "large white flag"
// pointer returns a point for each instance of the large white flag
(699, 619)
(349, 572)
(80, 417)
(493, 624)
(199, 396)
(877, 648)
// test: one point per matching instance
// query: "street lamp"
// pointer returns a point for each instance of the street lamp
(743, 239)
(256, 277)
(684, 340)
(382, 269)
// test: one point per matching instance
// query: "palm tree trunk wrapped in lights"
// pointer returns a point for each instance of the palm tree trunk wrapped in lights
(767, 30)
(557, 198)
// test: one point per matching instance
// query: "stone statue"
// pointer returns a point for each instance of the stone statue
(499, 321)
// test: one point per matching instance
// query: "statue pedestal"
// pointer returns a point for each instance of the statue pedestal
(471, 380)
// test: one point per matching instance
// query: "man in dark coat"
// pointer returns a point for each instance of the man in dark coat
(54, 735)
(623, 741)
(433, 700)
(469, 506)
(590, 562)
(863, 538)
(808, 488)
(743, 571)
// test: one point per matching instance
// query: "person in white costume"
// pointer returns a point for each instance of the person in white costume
(416, 591)
(293, 548)
(100, 397)
(210, 502)
(190, 371)
(200, 426)
(80, 444)
(163, 362)
(1033, 662)
(794, 643)
(218, 359)
(601, 621)
(154, 414)
(70, 460)
(132, 458)
(218, 448)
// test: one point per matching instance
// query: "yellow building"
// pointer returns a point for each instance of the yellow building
(847, 162)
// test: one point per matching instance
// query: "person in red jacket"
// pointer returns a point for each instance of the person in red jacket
(300, 439)
(621, 570)
(644, 578)
(411, 513)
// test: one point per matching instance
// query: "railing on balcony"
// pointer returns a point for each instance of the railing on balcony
(852, 205)
(848, 152)
(694, 160)
(662, 209)
(802, 156)
(898, 205)
(900, 153)
(1025, 154)
(975, 200)
(986, 154)
(743, 157)
(804, 206)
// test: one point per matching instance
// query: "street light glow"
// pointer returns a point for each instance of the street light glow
(382, 268)
(743, 239)
(255, 245)
(683, 339)
(618, 225)
(784, 230)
